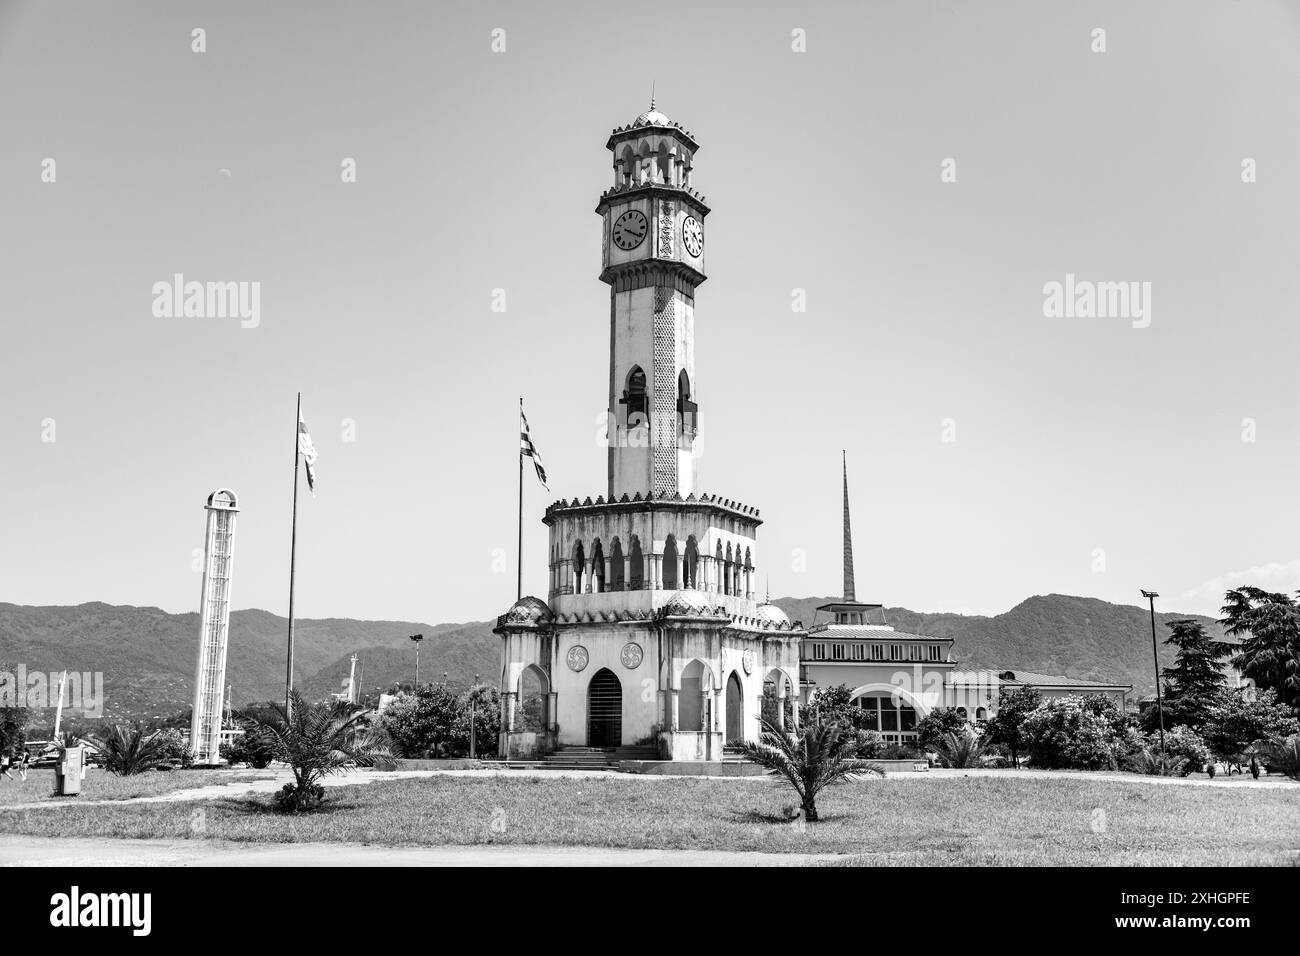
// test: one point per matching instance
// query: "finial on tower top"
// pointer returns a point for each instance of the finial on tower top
(849, 594)
(652, 96)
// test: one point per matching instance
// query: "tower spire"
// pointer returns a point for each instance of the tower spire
(652, 96)
(849, 594)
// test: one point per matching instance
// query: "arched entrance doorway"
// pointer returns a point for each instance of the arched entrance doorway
(735, 710)
(604, 710)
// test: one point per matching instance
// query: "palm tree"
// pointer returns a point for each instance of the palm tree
(316, 740)
(960, 750)
(1153, 763)
(127, 751)
(812, 759)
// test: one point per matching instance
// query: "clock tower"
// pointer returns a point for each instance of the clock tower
(653, 260)
(651, 643)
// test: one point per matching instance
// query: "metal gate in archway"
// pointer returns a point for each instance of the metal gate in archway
(604, 710)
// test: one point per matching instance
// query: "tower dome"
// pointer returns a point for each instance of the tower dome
(652, 117)
(688, 601)
(772, 614)
(528, 611)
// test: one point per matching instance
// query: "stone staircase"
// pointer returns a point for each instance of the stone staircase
(584, 758)
(731, 753)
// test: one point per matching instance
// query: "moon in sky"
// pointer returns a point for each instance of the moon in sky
(225, 172)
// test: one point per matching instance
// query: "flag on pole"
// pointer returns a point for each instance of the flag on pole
(308, 452)
(527, 448)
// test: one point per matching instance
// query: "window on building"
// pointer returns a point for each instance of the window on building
(819, 652)
(877, 652)
(871, 712)
(636, 405)
(935, 650)
(687, 410)
(837, 652)
(895, 652)
(907, 718)
(914, 652)
(859, 652)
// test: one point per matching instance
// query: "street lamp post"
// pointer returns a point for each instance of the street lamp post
(417, 638)
(1155, 656)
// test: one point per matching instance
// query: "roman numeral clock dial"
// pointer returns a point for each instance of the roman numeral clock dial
(630, 229)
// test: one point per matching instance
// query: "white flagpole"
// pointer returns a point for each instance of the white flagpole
(293, 550)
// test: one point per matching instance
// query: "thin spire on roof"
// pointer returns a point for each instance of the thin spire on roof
(849, 594)
(652, 96)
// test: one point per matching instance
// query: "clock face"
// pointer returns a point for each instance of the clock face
(692, 235)
(629, 229)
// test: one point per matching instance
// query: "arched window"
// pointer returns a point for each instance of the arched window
(616, 566)
(531, 711)
(981, 713)
(692, 698)
(636, 404)
(638, 566)
(691, 565)
(687, 410)
(597, 567)
(579, 565)
(670, 564)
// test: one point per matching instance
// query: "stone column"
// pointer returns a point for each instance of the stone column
(780, 702)
(674, 714)
(608, 577)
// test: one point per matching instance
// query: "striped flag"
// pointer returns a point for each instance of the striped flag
(526, 447)
(308, 452)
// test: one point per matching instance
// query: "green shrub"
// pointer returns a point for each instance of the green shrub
(1080, 733)
(249, 748)
(1184, 742)
(935, 726)
(1284, 757)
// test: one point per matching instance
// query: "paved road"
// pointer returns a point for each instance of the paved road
(46, 851)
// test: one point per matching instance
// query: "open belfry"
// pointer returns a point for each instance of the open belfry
(651, 640)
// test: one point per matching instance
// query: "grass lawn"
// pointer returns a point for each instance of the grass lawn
(979, 821)
(102, 785)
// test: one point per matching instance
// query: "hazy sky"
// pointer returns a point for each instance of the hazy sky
(479, 171)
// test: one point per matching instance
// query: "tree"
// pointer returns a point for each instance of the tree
(938, 724)
(13, 729)
(963, 748)
(1243, 717)
(1270, 655)
(127, 751)
(486, 716)
(1184, 742)
(250, 748)
(1150, 760)
(425, 724)
(1196, 682)
(811, 760)
(1005, 727)
(1082, 733)
(317, 740)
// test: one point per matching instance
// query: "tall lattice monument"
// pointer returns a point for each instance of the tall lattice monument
(214, 626)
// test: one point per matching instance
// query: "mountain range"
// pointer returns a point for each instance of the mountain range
(148, 656)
